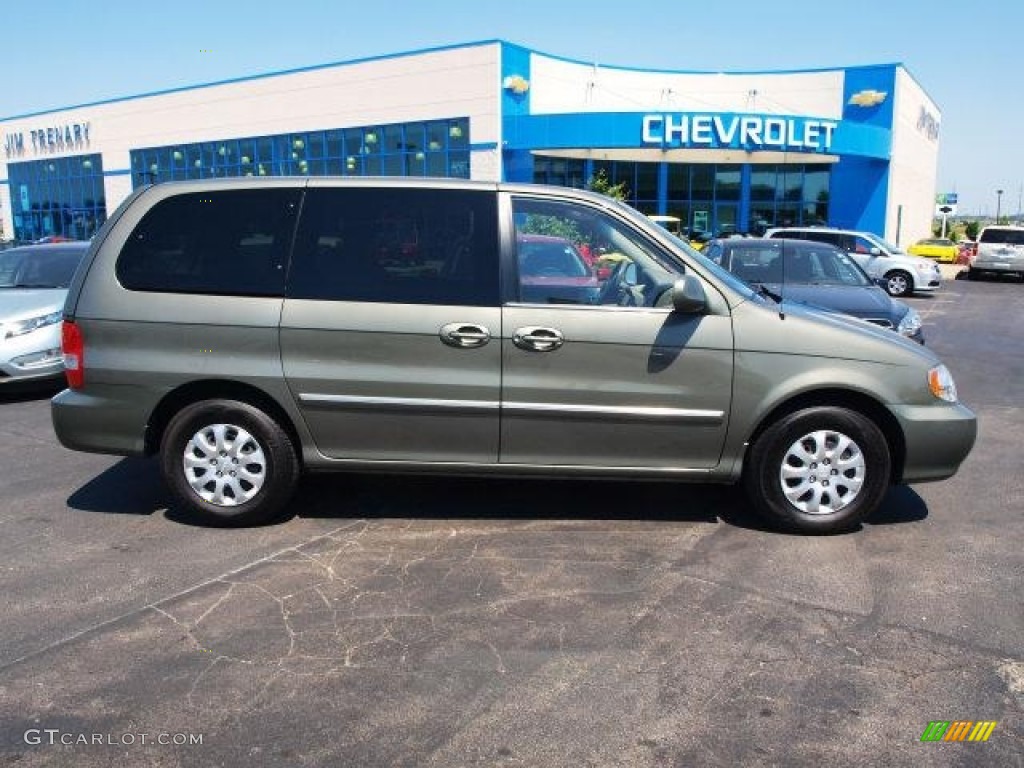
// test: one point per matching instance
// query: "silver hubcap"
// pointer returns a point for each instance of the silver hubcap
(224, 465)
(822, 472)
(897, 284)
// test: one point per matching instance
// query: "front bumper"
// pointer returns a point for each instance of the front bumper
(937, 439)
(34, 356)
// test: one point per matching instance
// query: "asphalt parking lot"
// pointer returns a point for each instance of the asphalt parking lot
(405, 622)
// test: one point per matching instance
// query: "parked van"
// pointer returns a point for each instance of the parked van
(903, 274)
(248, 330)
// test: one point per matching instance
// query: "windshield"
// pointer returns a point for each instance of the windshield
(885, 244)
(38, 267)
(821, 266)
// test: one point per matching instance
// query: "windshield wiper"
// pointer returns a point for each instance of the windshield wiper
(763, 290)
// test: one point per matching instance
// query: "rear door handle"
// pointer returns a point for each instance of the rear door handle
(464, 335)
(538, 339)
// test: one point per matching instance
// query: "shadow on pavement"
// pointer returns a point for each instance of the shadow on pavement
(130, 487)
(134, 487)
(18, 392)
(901, 505)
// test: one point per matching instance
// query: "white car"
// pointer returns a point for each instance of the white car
(34, 282)
(903, 274)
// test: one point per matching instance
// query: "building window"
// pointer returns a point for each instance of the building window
(788, 195)
(435, 148)
(57, 197)
(560, 172)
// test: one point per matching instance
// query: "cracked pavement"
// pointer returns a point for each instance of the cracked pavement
(427, 622)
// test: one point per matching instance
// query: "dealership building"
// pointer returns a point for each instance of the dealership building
(853, 147)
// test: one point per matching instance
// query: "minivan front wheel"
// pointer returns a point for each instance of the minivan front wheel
(818, 470)
(899, 283)
(228, 463)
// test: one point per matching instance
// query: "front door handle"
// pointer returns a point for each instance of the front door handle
(538, 339)
(464, 335)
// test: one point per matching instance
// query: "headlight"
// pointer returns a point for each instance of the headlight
(910, 324)
(27, 326)
(940, 382)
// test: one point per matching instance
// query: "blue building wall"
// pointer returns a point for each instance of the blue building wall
(860, 181)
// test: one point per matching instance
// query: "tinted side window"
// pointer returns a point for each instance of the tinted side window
(832, 238)
(408, 246)
(231, 242)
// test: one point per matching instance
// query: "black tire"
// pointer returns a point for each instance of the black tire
(767, 490)
(273, 472)
(899, 283)
(972, 274)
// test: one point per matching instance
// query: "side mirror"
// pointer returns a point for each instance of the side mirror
(876, 252)
(688, 297)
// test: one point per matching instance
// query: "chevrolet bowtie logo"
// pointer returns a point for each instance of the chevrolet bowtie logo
(868, 98)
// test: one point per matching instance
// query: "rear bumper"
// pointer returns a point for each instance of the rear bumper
(997, 266)
(937, 439)
(97, 424)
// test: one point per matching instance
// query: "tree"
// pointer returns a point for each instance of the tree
(599, 183)
(971, 230)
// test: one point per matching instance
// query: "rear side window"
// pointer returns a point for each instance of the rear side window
(230, 242)
(832, 238)
(1002, 236)
(407, 246)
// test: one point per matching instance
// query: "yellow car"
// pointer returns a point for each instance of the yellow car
(938, 248)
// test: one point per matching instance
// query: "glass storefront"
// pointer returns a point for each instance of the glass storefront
(58, 197)
(429, 148)
(709, 198)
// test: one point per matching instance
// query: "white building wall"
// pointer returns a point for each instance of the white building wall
(914, 165)
(559, 87)
(453, 82)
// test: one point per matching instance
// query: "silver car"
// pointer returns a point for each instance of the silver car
(247, 331)
(903, 274)
(34, 283)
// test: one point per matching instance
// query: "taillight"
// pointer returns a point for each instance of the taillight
(74, 354)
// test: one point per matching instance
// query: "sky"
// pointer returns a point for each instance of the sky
(965, 55)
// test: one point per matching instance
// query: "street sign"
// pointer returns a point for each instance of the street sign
(946, 198)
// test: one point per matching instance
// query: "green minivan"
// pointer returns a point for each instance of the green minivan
(248, 330)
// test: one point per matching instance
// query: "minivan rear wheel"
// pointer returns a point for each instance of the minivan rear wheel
(228, 463)
(818, 470)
